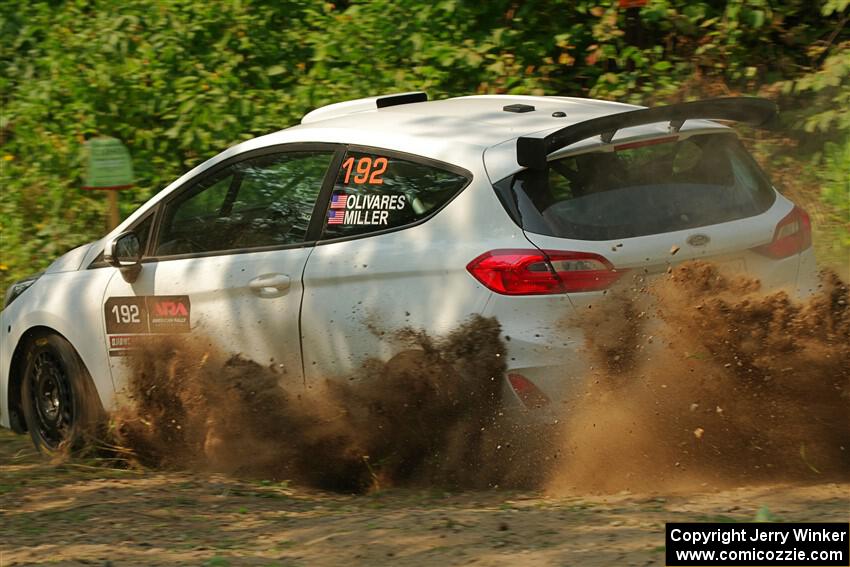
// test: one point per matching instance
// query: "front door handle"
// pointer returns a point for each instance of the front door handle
(270, 285)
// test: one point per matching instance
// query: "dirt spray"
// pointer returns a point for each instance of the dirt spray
(698, 379)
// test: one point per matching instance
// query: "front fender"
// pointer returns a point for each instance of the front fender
(70, 304)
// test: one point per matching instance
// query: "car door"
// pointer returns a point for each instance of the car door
(392, 254)
(224, 261)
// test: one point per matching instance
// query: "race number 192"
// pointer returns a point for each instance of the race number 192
(365, 170)
(126, 315)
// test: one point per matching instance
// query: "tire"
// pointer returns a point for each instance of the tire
(60, 404)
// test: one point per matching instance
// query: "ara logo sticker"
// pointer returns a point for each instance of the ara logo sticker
(366, 210)
(171, 309)
(169, 314)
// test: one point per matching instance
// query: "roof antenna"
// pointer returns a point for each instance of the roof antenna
(676, 125)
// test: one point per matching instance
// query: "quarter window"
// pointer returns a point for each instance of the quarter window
(143, 231)
(375, 192)
(259, 202)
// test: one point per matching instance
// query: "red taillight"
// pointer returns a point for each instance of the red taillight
(530, 395)
(583, 271)
(535, 272)
(793, 235)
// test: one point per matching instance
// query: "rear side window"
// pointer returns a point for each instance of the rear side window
(375, 192)
(639, 189)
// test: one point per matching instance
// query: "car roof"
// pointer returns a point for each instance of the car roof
(478, 120)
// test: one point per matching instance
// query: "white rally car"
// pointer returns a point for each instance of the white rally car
(397, 211)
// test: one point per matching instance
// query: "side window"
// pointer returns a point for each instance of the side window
(259, 202)
(374, 192)
(206, 200)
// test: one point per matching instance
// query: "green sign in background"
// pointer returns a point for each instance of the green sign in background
(108, 164)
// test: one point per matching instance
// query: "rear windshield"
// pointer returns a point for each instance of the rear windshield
(639, 189)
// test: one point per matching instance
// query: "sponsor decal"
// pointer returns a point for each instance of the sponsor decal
(121, 345)
(168, 314)
(128, 317)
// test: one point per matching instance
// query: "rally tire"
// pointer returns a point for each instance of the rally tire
(60, 404)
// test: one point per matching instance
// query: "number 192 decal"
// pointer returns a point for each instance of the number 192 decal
(365, 170)
(126, 314)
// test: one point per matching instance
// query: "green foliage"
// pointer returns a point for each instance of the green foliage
(834, 172)
(822, 98)
(178, 81)
(175, 81)
(824, 95)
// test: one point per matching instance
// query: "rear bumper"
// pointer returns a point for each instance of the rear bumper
(545, 347)
(545, 335)
(807, 274)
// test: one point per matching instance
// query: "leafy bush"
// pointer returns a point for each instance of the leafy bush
(821, 98)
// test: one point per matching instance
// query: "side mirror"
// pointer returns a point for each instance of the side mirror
(125, 253)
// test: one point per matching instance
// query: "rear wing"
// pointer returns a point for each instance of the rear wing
(532, 152)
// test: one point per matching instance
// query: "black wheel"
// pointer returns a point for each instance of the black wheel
(60, 404)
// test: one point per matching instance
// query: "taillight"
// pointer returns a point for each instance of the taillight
(793, 235)
(536, 272)
(530, 395)
(583, 271)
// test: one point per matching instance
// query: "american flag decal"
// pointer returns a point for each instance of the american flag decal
(339, 200)
(336, 217)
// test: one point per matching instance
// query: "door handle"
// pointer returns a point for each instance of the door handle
(270, 285)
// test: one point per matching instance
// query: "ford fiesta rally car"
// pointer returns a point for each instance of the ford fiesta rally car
(411, 213)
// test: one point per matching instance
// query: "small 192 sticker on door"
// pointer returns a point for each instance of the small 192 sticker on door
(126, 315)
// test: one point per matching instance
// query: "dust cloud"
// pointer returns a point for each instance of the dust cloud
(697, 379)
(701, 380)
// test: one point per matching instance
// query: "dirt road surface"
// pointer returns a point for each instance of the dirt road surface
(77, 514)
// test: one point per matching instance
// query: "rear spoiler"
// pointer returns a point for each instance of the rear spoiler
(532, 152)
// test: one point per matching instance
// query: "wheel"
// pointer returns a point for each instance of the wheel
(60, 405)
